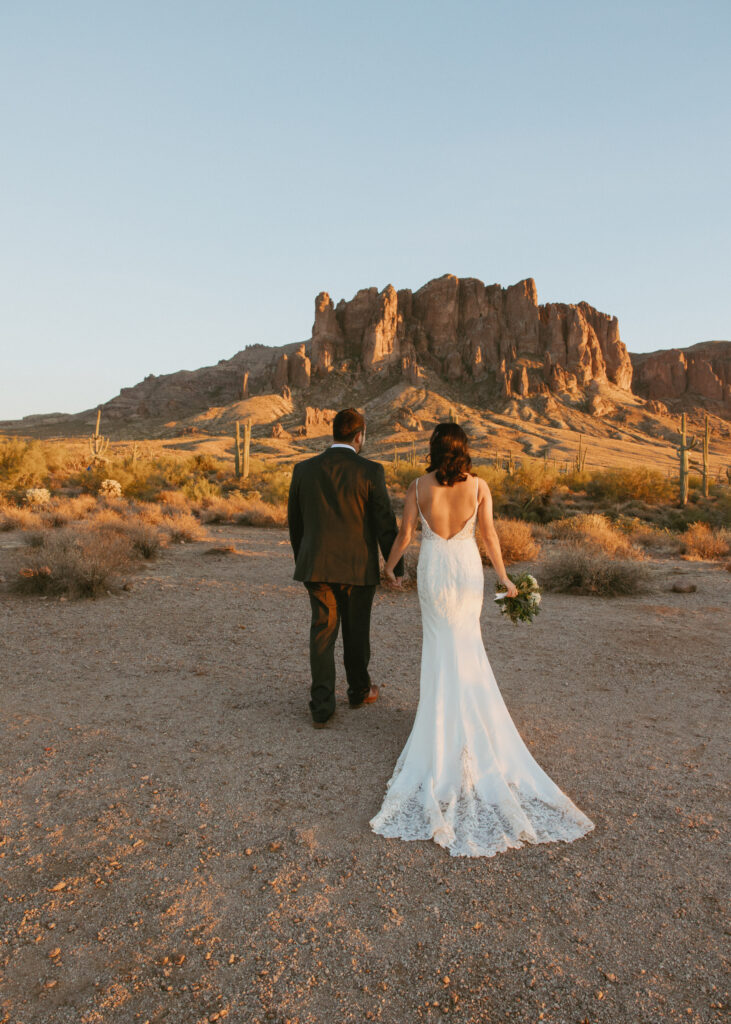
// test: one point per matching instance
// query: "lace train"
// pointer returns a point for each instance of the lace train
(465, 778)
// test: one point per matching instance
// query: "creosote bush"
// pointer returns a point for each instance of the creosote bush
(595, 531)
(517, 542)
(702, 543)
(78, 562)
(22, 464)
(576, 569)
(244, 510)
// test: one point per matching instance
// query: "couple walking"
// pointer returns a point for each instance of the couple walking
(465, 778)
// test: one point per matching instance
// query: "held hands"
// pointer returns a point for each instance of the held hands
(391, 581)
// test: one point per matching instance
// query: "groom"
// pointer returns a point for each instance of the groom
(339, 515)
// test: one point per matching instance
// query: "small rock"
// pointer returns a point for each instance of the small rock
(684, 588)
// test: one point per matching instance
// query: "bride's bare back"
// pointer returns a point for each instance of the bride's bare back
(446, 509)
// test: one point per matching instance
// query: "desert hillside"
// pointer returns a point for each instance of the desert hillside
(523, 378)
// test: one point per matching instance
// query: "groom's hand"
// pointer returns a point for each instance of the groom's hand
(392, 582)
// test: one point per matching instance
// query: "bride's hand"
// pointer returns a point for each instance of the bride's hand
(512, 589)
(391, 580)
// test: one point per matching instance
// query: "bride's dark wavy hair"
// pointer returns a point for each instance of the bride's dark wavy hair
(449, 454)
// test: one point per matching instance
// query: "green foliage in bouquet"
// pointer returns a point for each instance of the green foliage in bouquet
(526, 605)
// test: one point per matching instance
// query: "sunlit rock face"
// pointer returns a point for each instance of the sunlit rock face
(702, 371)
(464, 329)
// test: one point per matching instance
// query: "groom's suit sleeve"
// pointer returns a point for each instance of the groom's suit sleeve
(294, 514)
(383, 518)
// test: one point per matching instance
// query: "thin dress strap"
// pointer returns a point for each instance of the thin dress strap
(416, 492)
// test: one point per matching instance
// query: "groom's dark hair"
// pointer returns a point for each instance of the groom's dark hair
(347, 423)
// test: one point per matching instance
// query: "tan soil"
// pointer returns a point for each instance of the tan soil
(177, 842)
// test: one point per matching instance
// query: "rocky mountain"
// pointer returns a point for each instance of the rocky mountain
(456, 341)
(463, 330)
(701, 371)
(458, 330)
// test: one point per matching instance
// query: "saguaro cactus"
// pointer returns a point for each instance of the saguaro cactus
(686, 445)
(580, 460)
(247, 446)
(706, 474)
(98, 444)
(242, 450)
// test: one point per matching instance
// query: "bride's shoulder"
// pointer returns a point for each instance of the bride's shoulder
(482, 487)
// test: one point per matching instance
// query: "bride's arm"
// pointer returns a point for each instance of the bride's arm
(490, 537)
(405, 534)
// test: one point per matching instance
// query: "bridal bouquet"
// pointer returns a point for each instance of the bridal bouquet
(525, 606)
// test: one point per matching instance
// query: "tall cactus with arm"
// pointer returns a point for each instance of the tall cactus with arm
(98, 444)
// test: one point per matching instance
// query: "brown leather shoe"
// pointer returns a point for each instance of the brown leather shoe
(370, 698)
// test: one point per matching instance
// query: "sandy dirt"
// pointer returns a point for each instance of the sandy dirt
(178, 844)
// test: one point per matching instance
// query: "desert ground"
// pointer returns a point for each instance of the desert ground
(178, 844)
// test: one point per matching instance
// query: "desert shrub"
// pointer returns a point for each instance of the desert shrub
(517, 542)
(174, 499)
(399, 476)
(22, 464)
(37, 497)
(528, 491)
(63, 511)
(244, 510)
(110, 488)
(595, 531)
(638, 483)
(261, 513)
(200, 489)
(648, 536)
(702, 543)
(273, 486)
(183, 527)
(576, 569)
(80, 562)
(224, 510)
(14, 518)
(146, 541)
(493, 477)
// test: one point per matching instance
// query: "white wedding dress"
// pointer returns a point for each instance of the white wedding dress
(465, 778)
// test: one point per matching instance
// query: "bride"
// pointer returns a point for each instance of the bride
(465, 778)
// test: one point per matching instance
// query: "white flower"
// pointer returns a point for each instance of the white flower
(535, 598)
(533, 581)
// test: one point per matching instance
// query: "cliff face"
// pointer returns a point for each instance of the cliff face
(460, 330)
(463, 329)
(702, 371)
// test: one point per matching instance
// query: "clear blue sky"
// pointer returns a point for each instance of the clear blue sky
(179, 178)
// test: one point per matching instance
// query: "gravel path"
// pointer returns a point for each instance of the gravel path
(178, 844)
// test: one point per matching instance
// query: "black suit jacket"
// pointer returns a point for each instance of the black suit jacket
(339, 515)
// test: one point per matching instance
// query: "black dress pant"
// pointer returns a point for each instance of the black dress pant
(331, 604)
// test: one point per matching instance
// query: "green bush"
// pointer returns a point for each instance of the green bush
(399, 476)
(22, 464)
(633, 484)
